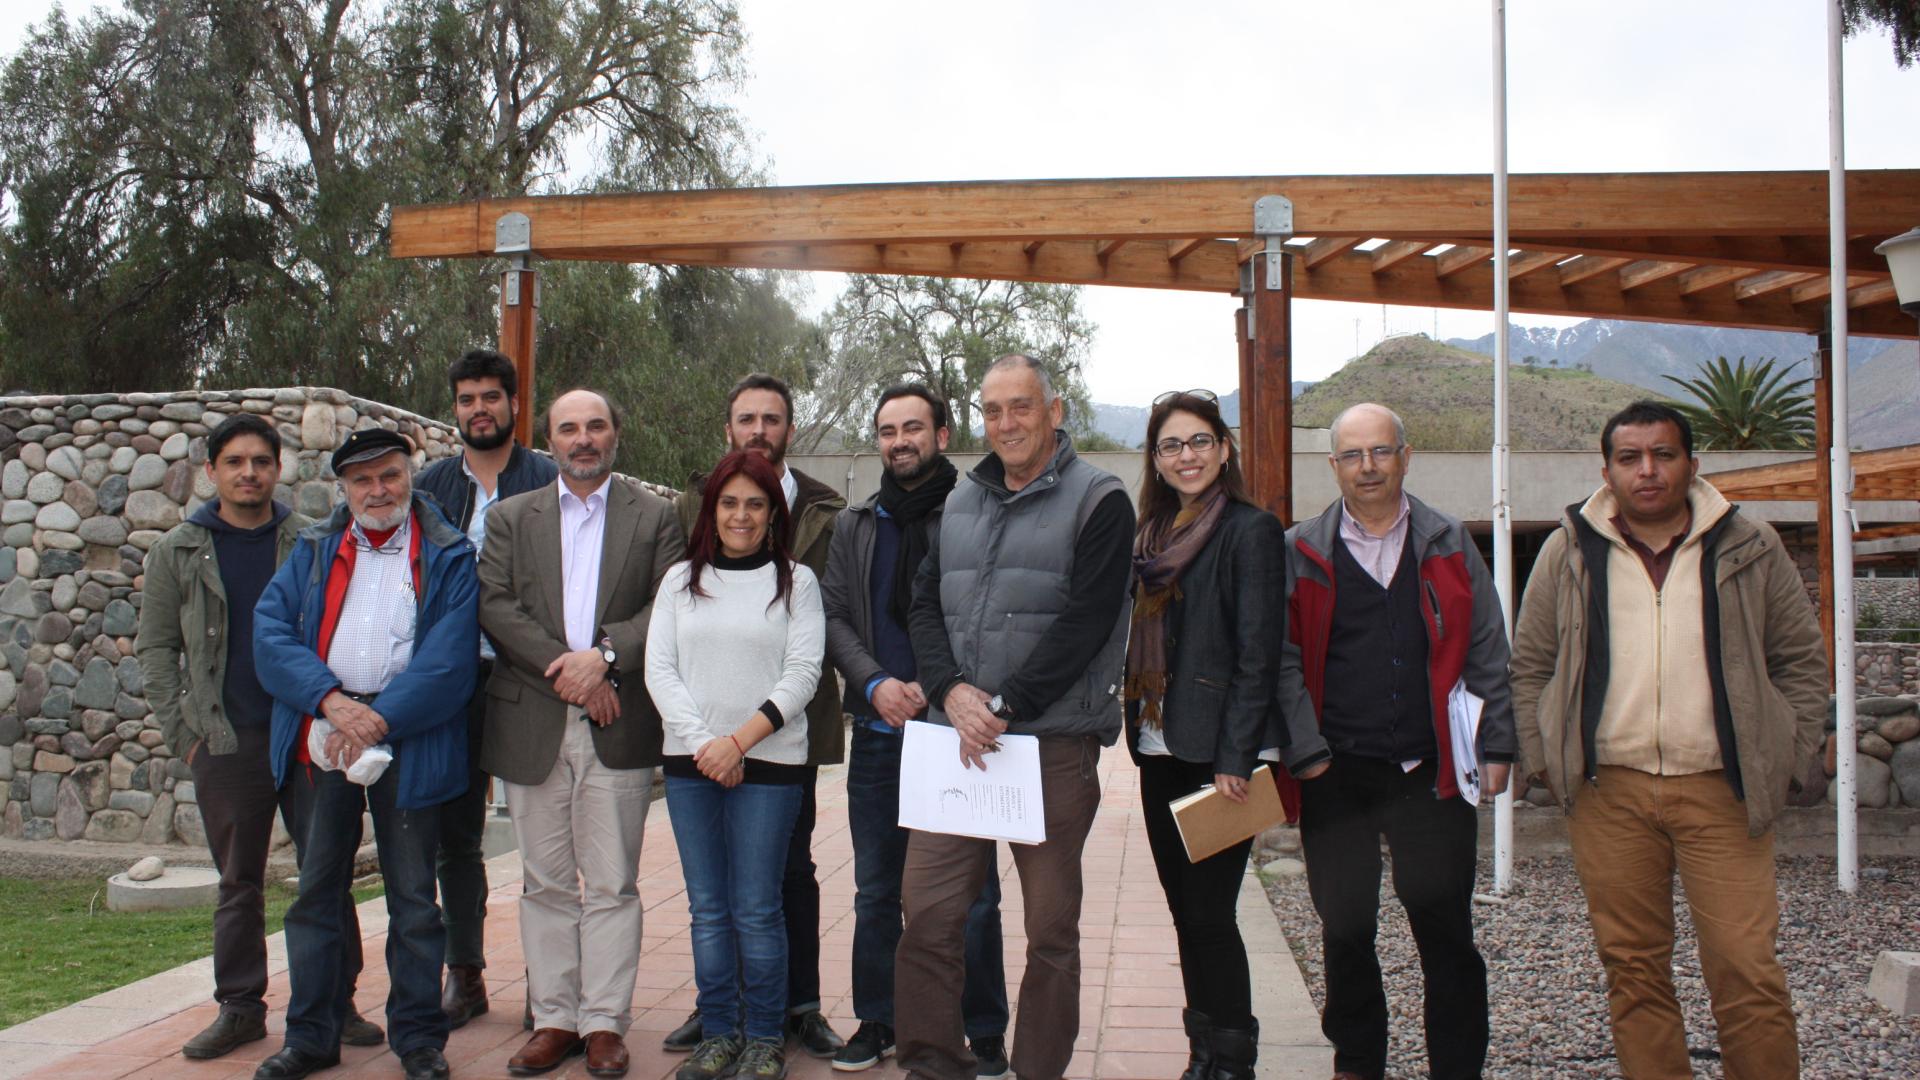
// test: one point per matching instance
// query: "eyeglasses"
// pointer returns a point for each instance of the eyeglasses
(1350, 458)
(1203, 395)
(1171, 447)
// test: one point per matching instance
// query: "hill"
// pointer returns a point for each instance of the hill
(1886, 373)
(1445, 395)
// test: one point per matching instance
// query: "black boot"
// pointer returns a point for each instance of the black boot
(1234, 1052)
(1199, 1040)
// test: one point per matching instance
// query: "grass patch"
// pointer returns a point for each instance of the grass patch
(59, 944)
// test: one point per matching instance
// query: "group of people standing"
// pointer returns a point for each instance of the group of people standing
(545, 621)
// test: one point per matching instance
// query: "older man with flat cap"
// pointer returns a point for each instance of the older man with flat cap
(370, 628)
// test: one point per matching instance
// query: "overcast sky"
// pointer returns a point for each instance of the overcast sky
(860, 91)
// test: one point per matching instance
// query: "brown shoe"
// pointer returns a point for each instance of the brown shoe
(464, 996)
(544, 1052)
(606, 1054)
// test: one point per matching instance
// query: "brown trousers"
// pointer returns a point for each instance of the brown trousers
(943, 876)
(1630, 832)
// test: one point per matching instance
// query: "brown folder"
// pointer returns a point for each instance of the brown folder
(1210, 823)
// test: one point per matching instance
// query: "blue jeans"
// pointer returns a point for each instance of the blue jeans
(733, 854)
(879, 857)
(322, 988)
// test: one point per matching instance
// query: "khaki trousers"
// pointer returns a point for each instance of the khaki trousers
(943, 877)
(579, 832)
(1630, 831)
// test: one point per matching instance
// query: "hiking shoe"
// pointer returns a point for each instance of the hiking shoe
(763, 1059)
(228, 1032)
(685, 1037)
(991, 1054)
(871, 1042)
(711, 1059)
(811, 1030)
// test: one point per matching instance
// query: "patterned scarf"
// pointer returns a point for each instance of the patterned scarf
(1161, 553)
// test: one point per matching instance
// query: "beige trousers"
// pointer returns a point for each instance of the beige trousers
(579, 832)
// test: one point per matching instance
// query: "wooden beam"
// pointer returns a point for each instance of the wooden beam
(1522, 263)
(1879, 202)
(1329, 247)
(1702, 278)
(1589, 266)
(1032, 248)
(1646, 272)
(1268, 396)
(1394, 252)
(1177, 250)
(1821, 286)
(1784, 252)
(1771, 281)
(1887, 532)
(1873, 292)
(1104, 249)
(1454, 260)
(1890, 468)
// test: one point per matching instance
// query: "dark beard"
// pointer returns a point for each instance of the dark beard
(501, 434)
(919, 472)
(775, 454)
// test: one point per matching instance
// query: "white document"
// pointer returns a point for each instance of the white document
(938, 794)
(1463, 721)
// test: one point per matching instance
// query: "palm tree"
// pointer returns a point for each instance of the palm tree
(1747, 408)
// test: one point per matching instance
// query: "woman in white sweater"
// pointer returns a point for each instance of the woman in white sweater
(733, 654)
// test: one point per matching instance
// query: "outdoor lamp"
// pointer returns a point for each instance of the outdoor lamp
(1903, 258)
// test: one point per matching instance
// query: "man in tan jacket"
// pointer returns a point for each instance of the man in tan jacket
(1669, 684)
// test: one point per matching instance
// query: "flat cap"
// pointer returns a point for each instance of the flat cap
(367, 444)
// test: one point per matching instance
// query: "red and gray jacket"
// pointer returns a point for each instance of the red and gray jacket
(1466, 638)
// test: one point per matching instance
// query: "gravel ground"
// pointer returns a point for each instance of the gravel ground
(1549, 995)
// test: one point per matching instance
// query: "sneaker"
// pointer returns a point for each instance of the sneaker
(991, 1053)
(763, 1059)
(711, 1059)
(228, 1032)
(811, 1030)
(685, 1037)
(360, 1031)
(871, 1043)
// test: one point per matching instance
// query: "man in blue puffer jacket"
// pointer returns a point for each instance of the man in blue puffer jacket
(371, 626)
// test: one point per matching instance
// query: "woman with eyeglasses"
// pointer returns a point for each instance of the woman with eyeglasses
(1201, 667)
(733, 653)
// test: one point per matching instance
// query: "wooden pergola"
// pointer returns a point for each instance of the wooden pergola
(1738, 249)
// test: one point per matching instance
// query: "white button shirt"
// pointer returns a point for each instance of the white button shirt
(583, 532)
(483, 501)
(373, 639)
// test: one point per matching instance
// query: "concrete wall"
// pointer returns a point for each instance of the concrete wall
(89, 483)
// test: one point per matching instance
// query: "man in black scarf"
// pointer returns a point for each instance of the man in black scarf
(877, 546)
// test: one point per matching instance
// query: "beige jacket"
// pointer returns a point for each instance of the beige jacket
(1765, 665)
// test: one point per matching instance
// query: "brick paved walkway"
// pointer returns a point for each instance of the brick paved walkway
(1130, 996)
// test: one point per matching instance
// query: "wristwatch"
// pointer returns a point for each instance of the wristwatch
(607, 653)
(998, 706)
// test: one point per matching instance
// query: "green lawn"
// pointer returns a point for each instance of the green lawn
(54, 952)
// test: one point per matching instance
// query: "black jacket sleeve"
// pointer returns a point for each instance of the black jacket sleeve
(1102, 565)
(927, 628)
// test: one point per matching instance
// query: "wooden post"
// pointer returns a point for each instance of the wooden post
(1266, 386)
(519, 322)
(1823, 472)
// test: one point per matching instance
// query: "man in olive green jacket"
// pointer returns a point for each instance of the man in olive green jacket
(195, 649)
(760, 418)
(1670, 689)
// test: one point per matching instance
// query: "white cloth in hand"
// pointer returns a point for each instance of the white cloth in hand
(366, 769)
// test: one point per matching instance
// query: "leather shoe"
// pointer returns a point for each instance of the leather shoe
(685, 1037)
(228, 1031)
(817, 1037)
(360, 1031)
(425, 1063)
(293, 1062)
(606, 1054)
(544, 1052)
(464, 996)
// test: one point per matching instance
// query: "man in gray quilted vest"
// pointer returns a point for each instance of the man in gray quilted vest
(1019, 625)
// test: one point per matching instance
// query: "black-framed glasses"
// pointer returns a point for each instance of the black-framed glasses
(1171, 447)
(1350, 458)
(1202, 394)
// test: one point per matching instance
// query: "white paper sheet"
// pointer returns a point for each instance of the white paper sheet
(1463, 721)
(938, 794)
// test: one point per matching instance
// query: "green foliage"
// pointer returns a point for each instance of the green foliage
(196, 192)
(1737, 407)
(1900, 18)
(944, 333)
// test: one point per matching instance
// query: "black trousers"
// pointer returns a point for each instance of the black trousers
(237, 801)
(1344, 814)
(800, 905)
(1202, 896)
(461, 865)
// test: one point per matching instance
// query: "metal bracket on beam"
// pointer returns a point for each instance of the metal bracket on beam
(1273, 222)
(513, 234)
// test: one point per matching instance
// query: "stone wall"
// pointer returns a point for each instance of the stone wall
(87, 484)
(1887, 668)
(1893, 602)
(1887, 768)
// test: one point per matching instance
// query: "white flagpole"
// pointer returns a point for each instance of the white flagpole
(1502, 507)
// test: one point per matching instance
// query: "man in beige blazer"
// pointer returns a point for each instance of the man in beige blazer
(566, 590)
